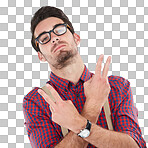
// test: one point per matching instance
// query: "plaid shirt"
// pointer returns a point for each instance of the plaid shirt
(43, 132)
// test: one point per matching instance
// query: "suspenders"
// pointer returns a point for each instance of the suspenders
(106, 110)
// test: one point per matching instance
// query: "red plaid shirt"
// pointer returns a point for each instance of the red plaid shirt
(43, 132)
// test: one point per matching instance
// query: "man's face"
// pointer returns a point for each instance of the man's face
(60, 50)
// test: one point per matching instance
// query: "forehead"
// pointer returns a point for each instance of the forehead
(46, 25)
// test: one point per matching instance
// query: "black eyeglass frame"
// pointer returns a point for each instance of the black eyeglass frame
(37, 39)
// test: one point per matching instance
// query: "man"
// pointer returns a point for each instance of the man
(79, 94)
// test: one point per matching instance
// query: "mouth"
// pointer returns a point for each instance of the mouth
(58, 48)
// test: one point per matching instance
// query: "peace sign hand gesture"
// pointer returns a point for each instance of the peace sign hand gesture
(96, 91)
(63, 112)
(97, 88)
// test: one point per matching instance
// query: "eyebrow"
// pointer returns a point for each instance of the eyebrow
(48, 31)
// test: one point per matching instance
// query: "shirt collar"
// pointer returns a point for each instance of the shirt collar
(60, 82)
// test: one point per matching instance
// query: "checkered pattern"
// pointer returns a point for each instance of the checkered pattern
(41, 130)
(109, 27)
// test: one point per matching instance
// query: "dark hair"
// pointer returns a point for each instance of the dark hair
(43, 13)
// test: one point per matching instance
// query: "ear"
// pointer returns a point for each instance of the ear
(41, 57)
(76, 38)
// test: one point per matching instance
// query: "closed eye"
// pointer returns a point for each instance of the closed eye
(45, 39)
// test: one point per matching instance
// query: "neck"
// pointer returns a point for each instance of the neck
(71, 72)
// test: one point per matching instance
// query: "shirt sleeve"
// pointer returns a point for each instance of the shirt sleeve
(40, 128)
(126, 117)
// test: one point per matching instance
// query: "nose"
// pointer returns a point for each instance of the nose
(54, 38)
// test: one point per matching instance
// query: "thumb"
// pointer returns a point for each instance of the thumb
(88, 81)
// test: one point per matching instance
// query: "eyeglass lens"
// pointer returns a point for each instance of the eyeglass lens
(59, 30)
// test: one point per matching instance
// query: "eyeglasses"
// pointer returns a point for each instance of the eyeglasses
(58, 30)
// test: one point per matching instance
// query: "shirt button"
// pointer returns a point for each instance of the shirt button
(77, 95)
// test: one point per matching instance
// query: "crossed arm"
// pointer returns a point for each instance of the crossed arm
(99, 137)
(65, 114)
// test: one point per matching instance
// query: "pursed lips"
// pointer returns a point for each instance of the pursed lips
(57, 48)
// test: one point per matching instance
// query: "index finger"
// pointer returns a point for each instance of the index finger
(46, 97)
(54, 93)
(99, 66)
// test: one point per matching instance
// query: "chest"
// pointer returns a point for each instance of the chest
(77, 96)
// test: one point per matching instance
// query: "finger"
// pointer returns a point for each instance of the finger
(99, 66)
(52, 109)
(54, 93)
(47, 98)
(106, 67)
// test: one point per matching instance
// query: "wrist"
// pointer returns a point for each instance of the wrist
(92, 107)
(91, 111)
(84, 133)
(93, 102)
(80, 124)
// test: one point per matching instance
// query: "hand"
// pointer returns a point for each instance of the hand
(63, 112)
(97, 88)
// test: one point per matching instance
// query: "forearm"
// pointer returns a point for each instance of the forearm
(73, 141)
(91, 112)
(101, 138)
